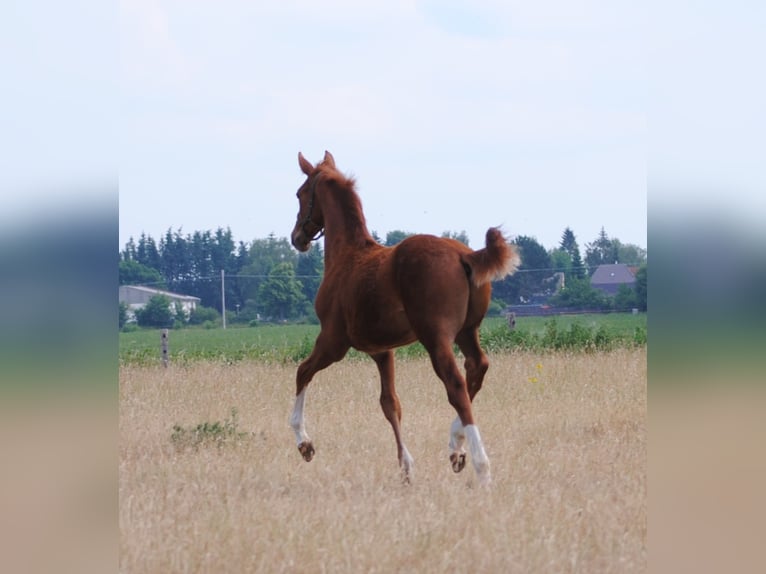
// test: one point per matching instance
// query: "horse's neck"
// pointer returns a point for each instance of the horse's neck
(345, 230)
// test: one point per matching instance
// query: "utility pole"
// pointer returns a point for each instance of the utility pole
(223, 299)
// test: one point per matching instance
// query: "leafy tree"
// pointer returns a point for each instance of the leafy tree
(527, 282)
(460, 236)
(280, 294)
(156, 313)
(561, 261)
(641, 288)
(310, 269)
(630, 254)
(134, 273)
(263, 255)
(396, 236)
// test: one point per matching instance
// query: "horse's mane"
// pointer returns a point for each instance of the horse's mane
(343, 188)
(337, 178)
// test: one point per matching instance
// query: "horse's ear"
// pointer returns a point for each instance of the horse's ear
(305, 164)
(328, 159)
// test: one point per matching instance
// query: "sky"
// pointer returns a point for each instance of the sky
(452, 116)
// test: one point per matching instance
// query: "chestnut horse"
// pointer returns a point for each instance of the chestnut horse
(376, 298)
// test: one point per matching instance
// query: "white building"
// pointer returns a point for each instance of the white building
(136, 297)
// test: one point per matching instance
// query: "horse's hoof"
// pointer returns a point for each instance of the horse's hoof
(458, 461)
(307, 451)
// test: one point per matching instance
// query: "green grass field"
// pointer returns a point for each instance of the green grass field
(291, 343)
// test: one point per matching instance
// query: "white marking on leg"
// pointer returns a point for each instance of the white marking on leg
(407, 462)
(457, 436)
(296, 419)
(478, 455)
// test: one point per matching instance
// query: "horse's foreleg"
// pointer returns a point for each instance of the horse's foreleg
(318, 360)
(305, 446)
(389, 402)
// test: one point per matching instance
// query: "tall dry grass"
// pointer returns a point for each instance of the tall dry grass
(566, 435)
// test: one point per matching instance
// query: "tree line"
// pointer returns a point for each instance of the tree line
(267, 279)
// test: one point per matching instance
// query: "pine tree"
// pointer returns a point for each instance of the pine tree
(568, 241)
(569, 244)
(603, 250)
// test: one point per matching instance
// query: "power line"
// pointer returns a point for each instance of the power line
(320, 276)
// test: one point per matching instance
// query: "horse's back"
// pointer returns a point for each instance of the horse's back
(434, 285)
(428, 258)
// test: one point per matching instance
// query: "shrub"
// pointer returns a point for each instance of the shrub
(156, 313)
(577, 337)
(578, 294)
(179, 313)
(625, 299)
(122, 317)
(201, 314)
(495, 308)
(217, 433)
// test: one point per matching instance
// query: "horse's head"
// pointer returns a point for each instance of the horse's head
(309, 224)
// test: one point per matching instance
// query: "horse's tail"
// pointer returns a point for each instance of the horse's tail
(493, 262)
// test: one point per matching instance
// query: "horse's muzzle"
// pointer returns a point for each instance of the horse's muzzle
(300, 241)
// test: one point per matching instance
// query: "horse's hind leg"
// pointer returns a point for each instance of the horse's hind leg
(389, 402)
(456, 441)
(320, 358)
(476, 365)
(443, 360)
(476, 362)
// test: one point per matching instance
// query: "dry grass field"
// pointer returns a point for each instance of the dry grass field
(566, 436)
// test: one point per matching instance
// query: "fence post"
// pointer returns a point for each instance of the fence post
(164, 346)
